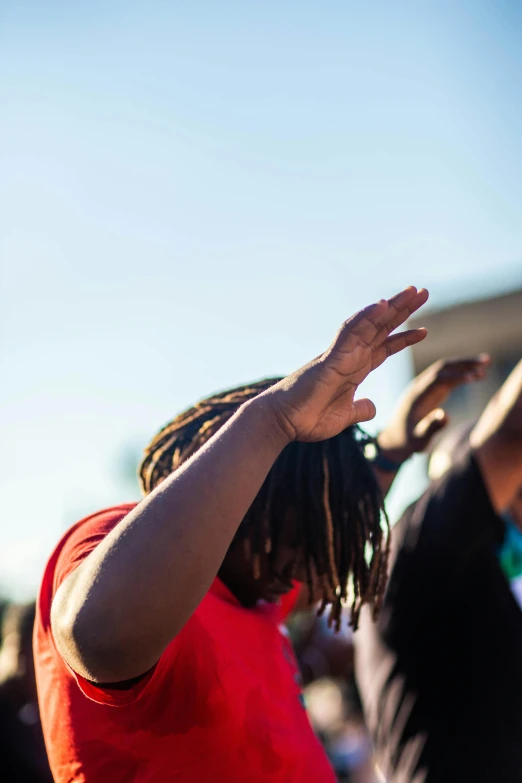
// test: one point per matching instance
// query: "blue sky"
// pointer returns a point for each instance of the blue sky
(196, 195)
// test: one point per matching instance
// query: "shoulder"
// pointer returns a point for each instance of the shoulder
(74, 546)
(84, 536)
(443, 535)
(457, 508)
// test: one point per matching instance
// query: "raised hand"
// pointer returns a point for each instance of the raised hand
(418, 416)
(318, 401)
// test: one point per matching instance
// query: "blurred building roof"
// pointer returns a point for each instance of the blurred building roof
(492, 326)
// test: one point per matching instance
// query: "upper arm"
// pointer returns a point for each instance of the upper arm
(64, 618)
(495, 470)
(81, 542)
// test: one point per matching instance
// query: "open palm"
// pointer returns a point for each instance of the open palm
(318, 401)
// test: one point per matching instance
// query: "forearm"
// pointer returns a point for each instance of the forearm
(497, 442)
(388, 462)
(500, 462)
(115, 614)
(385, 480)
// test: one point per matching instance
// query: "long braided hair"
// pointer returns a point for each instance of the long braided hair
(328, 488)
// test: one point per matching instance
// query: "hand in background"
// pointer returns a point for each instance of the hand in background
(418, 416)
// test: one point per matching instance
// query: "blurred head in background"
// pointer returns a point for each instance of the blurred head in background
(16, 655)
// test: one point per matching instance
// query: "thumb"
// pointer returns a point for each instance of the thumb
(364, 410)
(429, 426)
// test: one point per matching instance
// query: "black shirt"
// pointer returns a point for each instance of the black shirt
(440, 673)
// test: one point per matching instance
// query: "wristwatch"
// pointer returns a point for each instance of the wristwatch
(373, 453)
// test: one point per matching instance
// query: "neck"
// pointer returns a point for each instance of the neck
(246, 594)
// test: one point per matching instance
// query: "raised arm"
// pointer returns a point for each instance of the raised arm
(115, 614)
(418, 416)
(497, 442)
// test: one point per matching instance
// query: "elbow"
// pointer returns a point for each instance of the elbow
(89, 647)
(80, 647)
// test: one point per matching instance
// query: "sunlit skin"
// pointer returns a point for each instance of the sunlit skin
(117, 611)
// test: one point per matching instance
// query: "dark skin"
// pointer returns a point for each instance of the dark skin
(274, 580)
(238, 575)
(115, 614)
(497, 442)
(416, 420)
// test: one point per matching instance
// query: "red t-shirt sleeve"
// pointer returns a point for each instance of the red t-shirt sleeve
(83, 539)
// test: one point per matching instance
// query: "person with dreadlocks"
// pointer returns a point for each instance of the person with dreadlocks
(158, 652)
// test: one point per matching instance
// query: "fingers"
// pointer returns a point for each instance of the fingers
(429, 425)
(364, 324)
(405, 306)
(396, 343)
(400, 308)
(373, 324)
(455, 371)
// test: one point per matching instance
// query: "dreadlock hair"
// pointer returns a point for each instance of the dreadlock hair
(328, 488)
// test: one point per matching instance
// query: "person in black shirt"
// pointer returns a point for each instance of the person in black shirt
(440, 672)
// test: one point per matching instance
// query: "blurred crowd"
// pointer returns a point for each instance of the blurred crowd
(23, 758)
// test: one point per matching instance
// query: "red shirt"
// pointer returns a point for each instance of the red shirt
(222, 705)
